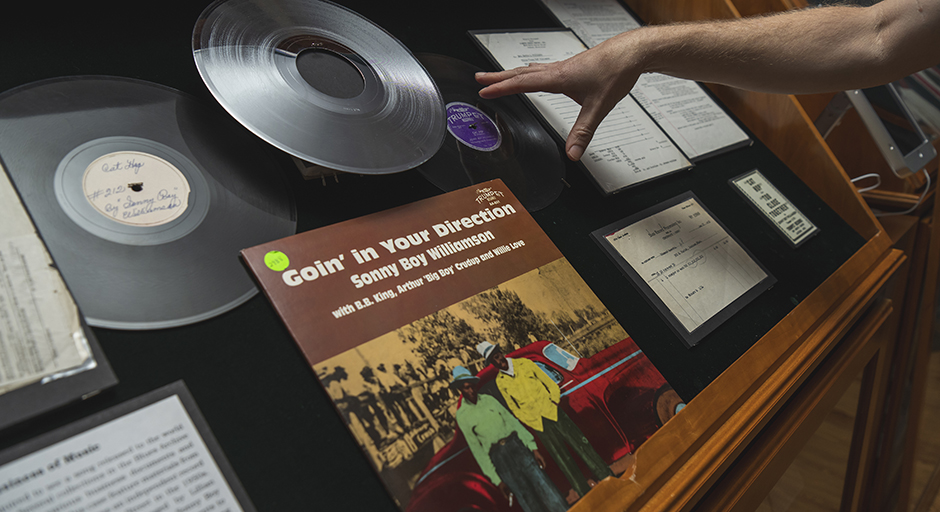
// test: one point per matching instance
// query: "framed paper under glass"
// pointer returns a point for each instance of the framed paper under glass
(154, 452)
(686, 263)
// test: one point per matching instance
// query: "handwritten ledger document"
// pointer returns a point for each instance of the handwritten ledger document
(688, 260)
(40, 330)
(627, 148)
(681, 107)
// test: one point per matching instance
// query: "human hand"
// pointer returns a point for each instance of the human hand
(505, 489)
(597, 79)
(539, 459)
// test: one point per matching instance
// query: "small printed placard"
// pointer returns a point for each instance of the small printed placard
(795, 227)
(153, 453)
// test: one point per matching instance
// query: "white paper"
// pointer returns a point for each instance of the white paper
(627, 148)
(136, 189)
(775, 206)
(689, 261)
(152, 459)
(40, 329)
(681, 107)
(594, 21)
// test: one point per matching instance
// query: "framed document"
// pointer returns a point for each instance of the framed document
(152, 453)
(686, 264)
(48, 355)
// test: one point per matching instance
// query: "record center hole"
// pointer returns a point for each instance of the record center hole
(330, 73)
(136, 187)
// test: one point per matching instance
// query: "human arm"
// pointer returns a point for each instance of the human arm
(812, 50)
(539, 459)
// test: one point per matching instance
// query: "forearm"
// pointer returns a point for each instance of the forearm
(813, 50)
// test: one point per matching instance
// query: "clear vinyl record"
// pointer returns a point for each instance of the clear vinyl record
(143, 195)
(320, 82)
(487, 139)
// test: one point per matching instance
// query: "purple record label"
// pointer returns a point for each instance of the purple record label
(472, 127)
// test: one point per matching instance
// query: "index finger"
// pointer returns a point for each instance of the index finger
(530, 78)
(491, 77)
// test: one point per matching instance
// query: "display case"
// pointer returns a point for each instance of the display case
(755, 388)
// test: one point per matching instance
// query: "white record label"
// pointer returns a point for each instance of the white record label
(136, 189)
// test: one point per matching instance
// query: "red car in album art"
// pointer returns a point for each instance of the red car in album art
(616, 397)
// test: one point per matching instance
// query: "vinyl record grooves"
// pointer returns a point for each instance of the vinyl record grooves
(320, 82)
(489, 139)
(143, 195)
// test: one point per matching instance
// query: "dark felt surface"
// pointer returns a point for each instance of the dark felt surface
(260, 398)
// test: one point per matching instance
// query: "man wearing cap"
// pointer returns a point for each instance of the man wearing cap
(533, 397)
(504, 449)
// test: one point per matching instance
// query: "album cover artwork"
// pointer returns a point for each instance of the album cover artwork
(468, 358)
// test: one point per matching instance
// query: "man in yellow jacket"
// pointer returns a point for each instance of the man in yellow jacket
(533, 397)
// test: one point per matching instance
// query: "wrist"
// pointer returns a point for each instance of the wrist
(649, 46)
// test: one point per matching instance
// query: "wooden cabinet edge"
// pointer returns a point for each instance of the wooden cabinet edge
(679, 463)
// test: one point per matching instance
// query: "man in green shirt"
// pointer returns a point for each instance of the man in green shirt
(534, 398)
(504, 449)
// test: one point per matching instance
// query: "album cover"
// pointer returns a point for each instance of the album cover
(465, 354)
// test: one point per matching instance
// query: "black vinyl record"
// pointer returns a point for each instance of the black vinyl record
(143, 195)
(487, 139)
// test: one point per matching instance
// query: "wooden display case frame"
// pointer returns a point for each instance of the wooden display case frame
(797, 369)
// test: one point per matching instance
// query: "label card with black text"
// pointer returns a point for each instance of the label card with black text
(789, 221)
